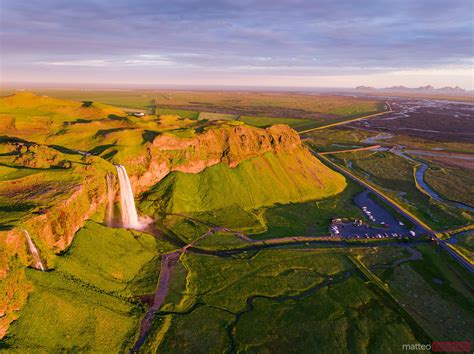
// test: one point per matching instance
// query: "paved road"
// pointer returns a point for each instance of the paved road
(421, 225)
(350, 150)
(348, 121)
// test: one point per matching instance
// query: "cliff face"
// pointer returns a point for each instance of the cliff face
(56, 227)
(51, 202)
(14, 287)
(228, 145)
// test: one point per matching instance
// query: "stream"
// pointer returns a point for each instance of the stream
(339, 278)
(420, 179)
(169, 260)
(167, 263)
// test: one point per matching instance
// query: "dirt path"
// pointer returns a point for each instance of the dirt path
(216, 228)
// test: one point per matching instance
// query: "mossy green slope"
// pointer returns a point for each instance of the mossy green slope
(111, 259)
(265, 180)
(87, 303)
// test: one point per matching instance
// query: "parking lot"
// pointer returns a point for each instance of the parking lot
(378, 222)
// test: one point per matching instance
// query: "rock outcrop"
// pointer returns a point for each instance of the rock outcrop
(14, 287)
(228, 145)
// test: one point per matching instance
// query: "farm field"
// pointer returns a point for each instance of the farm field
(259, 109)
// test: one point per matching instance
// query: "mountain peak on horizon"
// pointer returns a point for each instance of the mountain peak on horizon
(413, 89)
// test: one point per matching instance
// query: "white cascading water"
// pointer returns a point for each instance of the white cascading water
(127, 202)
(109, 219)
(34, 252)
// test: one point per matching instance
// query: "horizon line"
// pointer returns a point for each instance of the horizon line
(14, 85)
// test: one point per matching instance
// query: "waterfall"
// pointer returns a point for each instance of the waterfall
(34, 252)
(109, 218)
(127, 203)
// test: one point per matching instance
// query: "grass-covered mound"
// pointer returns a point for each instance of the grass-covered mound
(66, 315)
(111, 259)
(86, 304)
(266, 180)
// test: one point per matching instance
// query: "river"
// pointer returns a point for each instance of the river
(420, 179)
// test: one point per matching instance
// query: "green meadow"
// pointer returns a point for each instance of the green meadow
(88, 303)
(281, 300)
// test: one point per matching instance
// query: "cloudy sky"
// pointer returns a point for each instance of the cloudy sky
(320, 43)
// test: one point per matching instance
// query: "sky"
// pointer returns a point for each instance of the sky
(299, 43)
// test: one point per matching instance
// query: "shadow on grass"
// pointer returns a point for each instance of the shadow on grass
(150, 135)
(78, 121)
(109, 155)
(20, 167)
(15, 208)
(11, 139)
(5, 227)
(100, 149)
(64, 150)
(118, 118)
(104, 132)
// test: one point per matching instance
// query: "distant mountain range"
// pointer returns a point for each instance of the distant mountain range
(421, 89)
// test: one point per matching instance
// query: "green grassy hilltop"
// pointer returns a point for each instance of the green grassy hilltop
(260, 181)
